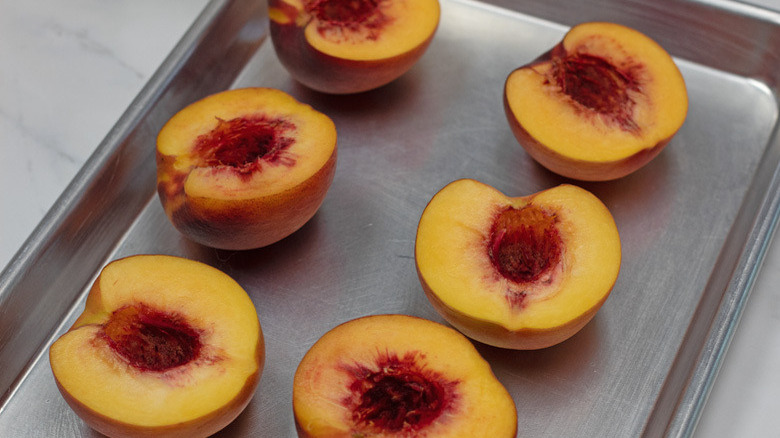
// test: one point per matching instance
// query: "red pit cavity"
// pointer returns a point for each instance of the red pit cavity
(352, 15)
(241, 143)
(597, 84)
(151, 340)
(398, 394)
(343, 11)
(524, 243)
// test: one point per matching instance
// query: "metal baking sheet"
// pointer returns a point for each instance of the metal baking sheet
(694, 223)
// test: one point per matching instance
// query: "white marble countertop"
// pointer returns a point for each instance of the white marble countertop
(70, 69)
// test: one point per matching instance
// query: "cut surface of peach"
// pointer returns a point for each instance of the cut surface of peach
(341, 46)
(599, 105)
(517, 272)
(399, 376)
(164, 347)
(244, 168)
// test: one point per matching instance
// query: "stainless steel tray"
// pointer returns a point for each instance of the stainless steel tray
(694, 223)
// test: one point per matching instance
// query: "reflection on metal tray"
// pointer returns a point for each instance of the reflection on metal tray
(694, 223)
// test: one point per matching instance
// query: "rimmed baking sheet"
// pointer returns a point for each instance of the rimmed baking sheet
(694, 222)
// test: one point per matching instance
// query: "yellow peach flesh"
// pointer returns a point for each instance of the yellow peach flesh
(482, 407)
(567, 134)
(202, 395)
(351, 47)
(315, 141)
(410, 23)
(452, 257)
(252, 204)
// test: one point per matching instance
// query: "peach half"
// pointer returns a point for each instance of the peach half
(399, 376)
(517, 272)
(599, 105)
(350, 46)
(165, 347)
(244, 168)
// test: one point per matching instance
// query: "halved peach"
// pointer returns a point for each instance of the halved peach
(399, 376)
(165, 347)
(244, 168)
(517, 272)
(598, 106)
(339, 47)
